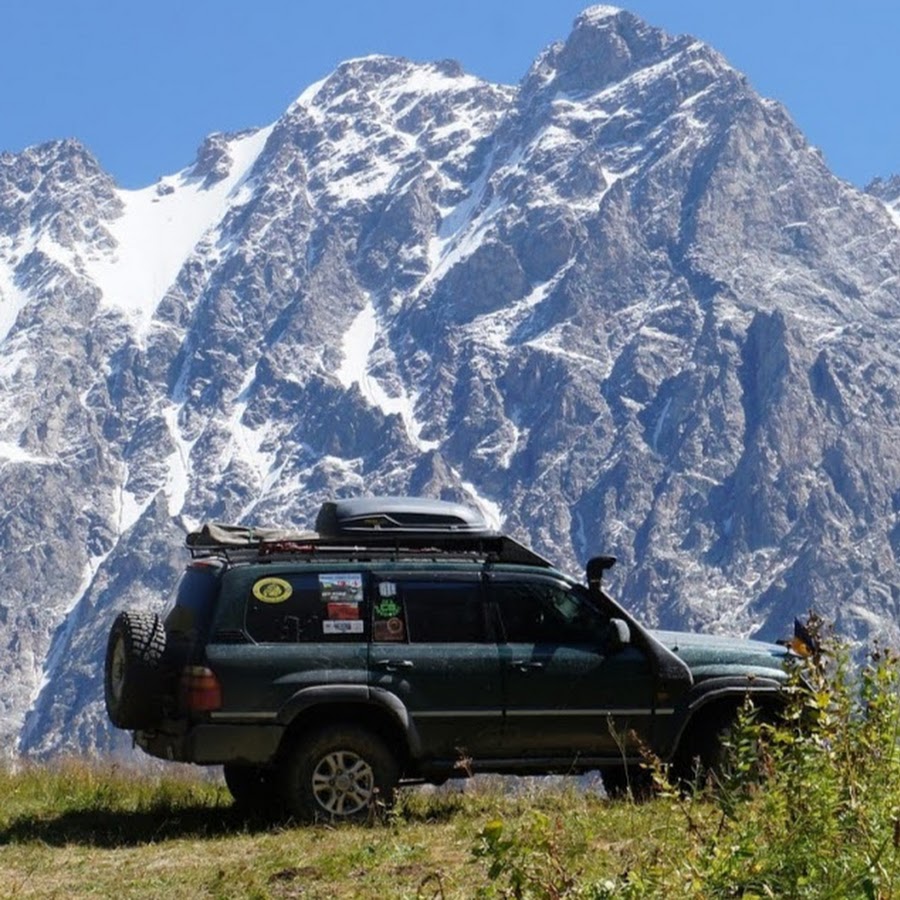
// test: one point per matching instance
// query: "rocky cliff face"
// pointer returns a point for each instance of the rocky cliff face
(624, 307)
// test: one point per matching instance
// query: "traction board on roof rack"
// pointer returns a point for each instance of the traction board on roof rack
(216, 536)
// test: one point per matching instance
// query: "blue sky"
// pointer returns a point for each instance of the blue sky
(142, 83)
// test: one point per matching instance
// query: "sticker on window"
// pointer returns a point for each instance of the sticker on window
(343, 610)
(332, 626)
(345, 588)
(272, 590)
(387, 608)
(387, 589)
(388, 630)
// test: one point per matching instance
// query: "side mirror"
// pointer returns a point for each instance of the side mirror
(618, 635)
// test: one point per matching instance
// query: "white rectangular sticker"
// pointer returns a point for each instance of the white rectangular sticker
(342, 626)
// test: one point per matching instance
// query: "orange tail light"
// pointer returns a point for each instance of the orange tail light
(200, 690)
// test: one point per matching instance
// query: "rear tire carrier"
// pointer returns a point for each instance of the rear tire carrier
(132, 672)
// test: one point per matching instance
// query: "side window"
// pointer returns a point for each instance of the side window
(194, 603)
(540, 612)
(302, 607)
(433, 612)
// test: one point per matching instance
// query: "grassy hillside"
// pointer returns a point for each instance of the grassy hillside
(807, 808)
(76, 829)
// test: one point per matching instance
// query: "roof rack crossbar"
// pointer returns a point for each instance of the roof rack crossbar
(493, 548)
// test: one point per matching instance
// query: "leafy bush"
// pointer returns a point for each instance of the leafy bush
(824, 818)
(807, 805)
(535, 863)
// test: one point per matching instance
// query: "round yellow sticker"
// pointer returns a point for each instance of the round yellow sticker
(272, 590)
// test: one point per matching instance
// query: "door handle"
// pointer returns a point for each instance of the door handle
(394, 665)
(526, 665)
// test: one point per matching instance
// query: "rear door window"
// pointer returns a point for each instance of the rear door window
(429, 611)
(308, 606)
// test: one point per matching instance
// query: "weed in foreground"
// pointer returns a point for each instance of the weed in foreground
(822, 822)
(807, 806)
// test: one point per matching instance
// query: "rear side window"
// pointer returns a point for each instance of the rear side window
(432, 612)
(195, 600)
(319, 607)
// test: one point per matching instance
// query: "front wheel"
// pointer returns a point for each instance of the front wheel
(340, 773)
(703, 754)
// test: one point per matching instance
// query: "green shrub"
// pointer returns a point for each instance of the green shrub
(537, 863)
(823, 821)
(807, 806)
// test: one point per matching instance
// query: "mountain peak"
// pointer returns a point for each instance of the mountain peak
(601, 11)
(58, 186)
(380, 74)
(214, 160)
(606, 44)
(68, 152)
(886, 189)
(610, 48)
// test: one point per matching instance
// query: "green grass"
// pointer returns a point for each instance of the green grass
(77, 829)
(810, 808)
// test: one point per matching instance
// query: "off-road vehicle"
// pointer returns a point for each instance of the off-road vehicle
(402, 641)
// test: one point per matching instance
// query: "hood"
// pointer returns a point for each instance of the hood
(709, 655)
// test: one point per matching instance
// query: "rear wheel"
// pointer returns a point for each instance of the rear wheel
(620, 782)
(252, 787)
(131, 675)
(340, 773)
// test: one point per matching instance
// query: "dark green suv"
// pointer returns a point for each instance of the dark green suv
(403, 641)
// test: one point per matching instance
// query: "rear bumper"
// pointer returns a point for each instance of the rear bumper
(212, 744)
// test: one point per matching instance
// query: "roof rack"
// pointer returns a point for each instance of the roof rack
(365, 528)
(237, 543)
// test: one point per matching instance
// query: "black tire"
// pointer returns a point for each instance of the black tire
(132, 672)
(253, 788)
(702, 755)
(340, 773)
(620, 782)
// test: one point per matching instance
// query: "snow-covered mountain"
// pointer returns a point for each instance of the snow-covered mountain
(623, 307)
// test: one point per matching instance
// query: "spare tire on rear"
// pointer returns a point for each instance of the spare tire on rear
(132, 674)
